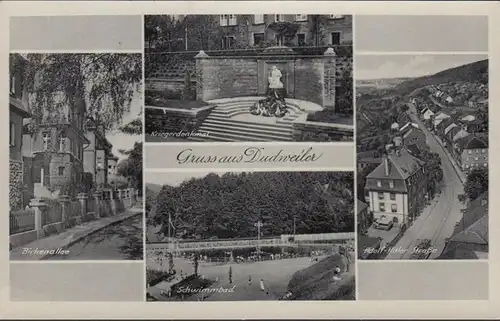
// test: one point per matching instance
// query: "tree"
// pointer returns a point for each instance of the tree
(106, 83)
(195, 263)
(131, 167)
(475, 184)
(134, 127)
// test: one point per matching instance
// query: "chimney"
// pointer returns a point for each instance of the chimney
(387, 165)
(484, 201)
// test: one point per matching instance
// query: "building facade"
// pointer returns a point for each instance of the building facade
(56, 147)
(18, 111)
(96, 153)
(472, 152)
(397, 188)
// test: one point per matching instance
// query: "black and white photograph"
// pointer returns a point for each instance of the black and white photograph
(241, 77)
(243, 236)
(75, 188)
(422, 156)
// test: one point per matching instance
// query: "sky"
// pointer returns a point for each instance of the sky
(121, 140)
(421, 33)
(172, 178)
(396, 66)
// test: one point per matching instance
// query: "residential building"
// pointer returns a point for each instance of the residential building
(246, 31)
(56, 146)
(472, 153)
(469, 240)
(414, 136)
(18, 111)
(95, 161)
(427, 113)
(112, 163)
(397, 187)
(363, 218)
(438, 118)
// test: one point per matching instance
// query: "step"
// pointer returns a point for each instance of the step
(229, 116)
(254, 132)
(248, 105)
(235, 137)
(247, 109)
(245, 124)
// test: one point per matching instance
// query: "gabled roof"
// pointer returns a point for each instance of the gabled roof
(401, 167)
(472, 142)
(461, 134)
(450, 127)
(361, 206)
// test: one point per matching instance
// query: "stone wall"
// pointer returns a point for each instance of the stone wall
(227, 77)
(314, 131)
(15, 185)
(174, 121)
(309, 79)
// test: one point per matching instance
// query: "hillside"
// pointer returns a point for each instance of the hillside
(473, 72)
(155, 188)
(316, 282)
(228, 206)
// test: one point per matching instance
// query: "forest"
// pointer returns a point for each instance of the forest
(228, 206)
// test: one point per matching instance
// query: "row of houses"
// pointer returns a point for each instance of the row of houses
(459, 135)
(68, 147)
(474, 95)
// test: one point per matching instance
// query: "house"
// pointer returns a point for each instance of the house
(363, 218)
(414, 136)
(449, 100)
(427, 113)
(397, 187)
(447, 129)
(470, 237)
(96, 154)
(18, 111)
(472, 152)
(407, 125)
(472, 104)
(439, 117)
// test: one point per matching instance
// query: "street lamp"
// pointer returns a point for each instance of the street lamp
(258, 225)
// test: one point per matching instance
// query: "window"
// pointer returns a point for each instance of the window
(61, 171)
(12, 131)
(485, 157)
(278, 18)
(109, 166)
(62, 143)
(300, 17)
(393, 197)
(301, 39)
(228, 42)
(258, 39)
(476, 158)
(483, 151)
(469, 152)
(335, 38)
(477, 151)
(381, 207)
(379, 184)
(394, 208)
(380, 195)
(232, 20)
(466, 165)
(258, 19)
(13, 85)
(391, 184)
(46, 140)
(224, 19)
(336, 16)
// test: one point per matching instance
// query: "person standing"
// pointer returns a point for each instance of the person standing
(230, 275)
(249, 280)
(262, 287)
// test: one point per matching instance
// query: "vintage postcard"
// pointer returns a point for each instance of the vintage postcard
(249, 160)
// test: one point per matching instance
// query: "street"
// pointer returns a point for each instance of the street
(438, 219)
(121, 241)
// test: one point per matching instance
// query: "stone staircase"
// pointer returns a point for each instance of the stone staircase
(222, 125)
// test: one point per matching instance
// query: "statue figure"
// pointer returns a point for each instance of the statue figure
(275, 78)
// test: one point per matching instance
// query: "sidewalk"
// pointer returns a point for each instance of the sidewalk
(457, 168)
(70, 236)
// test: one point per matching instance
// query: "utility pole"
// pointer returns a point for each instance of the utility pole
(185, 33)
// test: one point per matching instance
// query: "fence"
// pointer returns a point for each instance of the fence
(21, 221)
(53, 214)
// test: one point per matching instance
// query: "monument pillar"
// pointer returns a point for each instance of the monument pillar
(330, 79)
(201, 61)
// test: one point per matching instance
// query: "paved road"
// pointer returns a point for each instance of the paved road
(121, 241)
(439, 218)
(275, 273)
